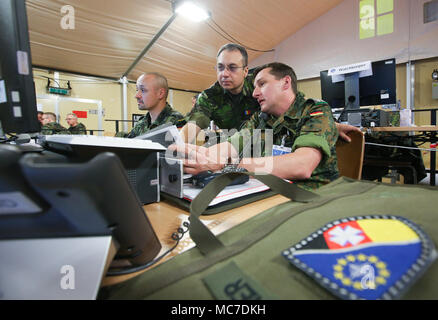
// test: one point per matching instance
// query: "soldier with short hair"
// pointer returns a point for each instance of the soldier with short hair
(75, 126)
(152, 91)
(50, 126)
(229, 102)
(304, 135)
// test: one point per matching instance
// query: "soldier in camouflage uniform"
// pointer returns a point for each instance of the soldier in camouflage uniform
(303, 136)
(228, 111)
(75, 127)
(152, 91)
(79, 129)
(168, 115)
(229, 102)
(50, 126)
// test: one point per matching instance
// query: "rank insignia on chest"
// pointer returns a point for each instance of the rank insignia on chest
(371, 257)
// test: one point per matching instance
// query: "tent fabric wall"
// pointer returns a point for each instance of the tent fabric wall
(333, 40)
(109, 34)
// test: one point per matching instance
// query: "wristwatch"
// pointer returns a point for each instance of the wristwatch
(233, 167)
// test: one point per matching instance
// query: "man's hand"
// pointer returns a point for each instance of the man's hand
(198, 159)
(189, 132)
(344, 129)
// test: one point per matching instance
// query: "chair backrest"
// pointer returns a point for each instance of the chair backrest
(350, 155)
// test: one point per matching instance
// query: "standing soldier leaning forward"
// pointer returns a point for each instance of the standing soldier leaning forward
(229, 102)
(304, 135)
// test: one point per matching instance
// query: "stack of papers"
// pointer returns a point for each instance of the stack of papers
(229, 193)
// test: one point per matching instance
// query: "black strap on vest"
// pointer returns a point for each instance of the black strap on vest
(205, 240)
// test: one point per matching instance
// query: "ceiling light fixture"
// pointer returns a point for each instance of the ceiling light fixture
(185, 8)
(191, 11)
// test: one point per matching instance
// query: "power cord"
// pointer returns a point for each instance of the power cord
(176, 236)
(395, 146)
(10, 139)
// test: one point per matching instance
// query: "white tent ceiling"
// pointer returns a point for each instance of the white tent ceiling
(110, 34)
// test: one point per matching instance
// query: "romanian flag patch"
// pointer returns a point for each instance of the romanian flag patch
(316, 113)
(371, 257)
(247, 112)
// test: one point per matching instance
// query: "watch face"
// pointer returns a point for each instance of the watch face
(435, 75)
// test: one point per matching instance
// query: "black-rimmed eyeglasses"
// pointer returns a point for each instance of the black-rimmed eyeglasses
(232, 68)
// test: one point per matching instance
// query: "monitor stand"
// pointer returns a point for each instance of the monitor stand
(352, 101)
(54, 268)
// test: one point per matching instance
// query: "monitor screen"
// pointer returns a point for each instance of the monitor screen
(57, 199)
(18, 109)
(377, 89)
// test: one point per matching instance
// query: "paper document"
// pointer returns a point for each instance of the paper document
(230, 192)
(165, 134)
(102, 141)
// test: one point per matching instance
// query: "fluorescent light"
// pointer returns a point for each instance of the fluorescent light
(191, 11)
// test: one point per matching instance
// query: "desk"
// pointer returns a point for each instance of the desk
(166, 219)
(405, 129)
(432, 138)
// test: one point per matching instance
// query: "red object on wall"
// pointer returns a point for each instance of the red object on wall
(81, 114)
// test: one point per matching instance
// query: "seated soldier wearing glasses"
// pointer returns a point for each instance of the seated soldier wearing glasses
(229, 102)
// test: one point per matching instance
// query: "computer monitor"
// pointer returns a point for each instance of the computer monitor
(44, 196)
(18, 108)
(377, 89)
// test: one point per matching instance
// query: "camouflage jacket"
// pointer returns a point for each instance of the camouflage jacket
(307, 123)
(53, 128)
(78, 129)
(227, 111)
(168, 115)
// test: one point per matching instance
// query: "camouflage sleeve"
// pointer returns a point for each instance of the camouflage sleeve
(61, 130)
(79, 129)
(201, 112)
(319, 129)
(140, 127)
(53, 128)
(175, 118)
(46, 130)
(244, 136)
(82, 129)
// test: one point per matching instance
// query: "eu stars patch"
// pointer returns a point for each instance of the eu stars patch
(366, 257)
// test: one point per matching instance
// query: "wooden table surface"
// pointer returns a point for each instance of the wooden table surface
(404, 129)
(167, 218)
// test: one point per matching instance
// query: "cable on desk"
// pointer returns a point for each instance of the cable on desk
(401, 147)
(176, 236)
(10, 139)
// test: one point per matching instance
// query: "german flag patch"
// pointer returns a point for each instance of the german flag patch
(366, 257)
(316, 113)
